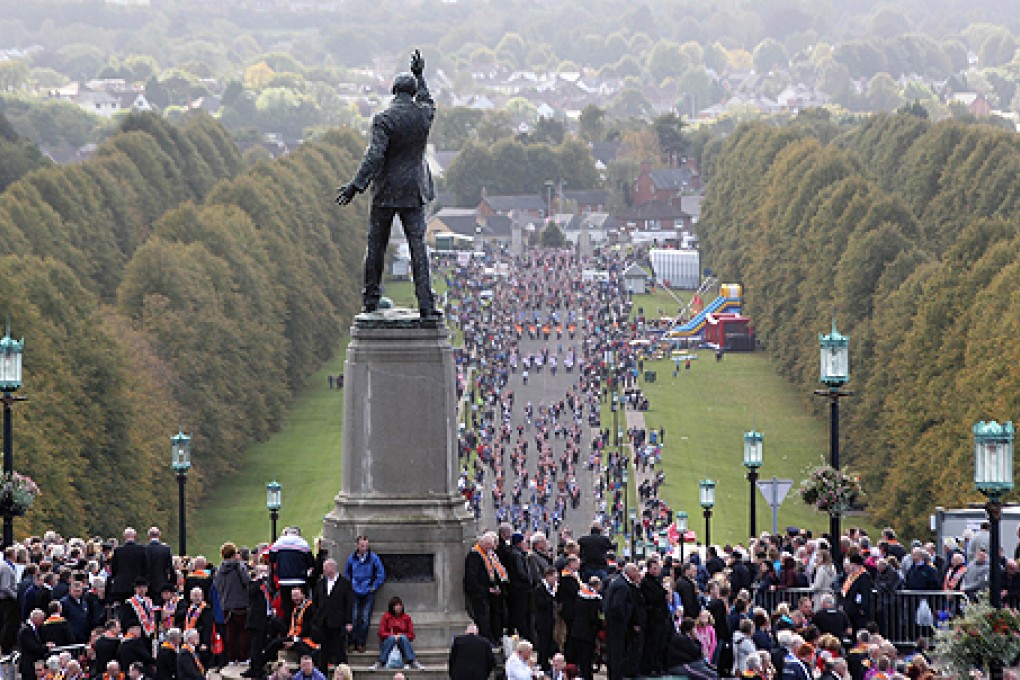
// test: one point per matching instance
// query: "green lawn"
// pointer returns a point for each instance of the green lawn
(660, 299)
(705, 412)
(305, 457)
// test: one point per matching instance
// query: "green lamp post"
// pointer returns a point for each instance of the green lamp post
(680, 520)
(752, 461)
(706, 497)
(834, 372)
(10, 382)
(274, 501)
(993, 476)
(180, 461)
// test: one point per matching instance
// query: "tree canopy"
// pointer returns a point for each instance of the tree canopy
(905, 231)
(158, 285)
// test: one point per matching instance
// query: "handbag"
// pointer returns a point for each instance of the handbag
(924, 615)
(217, 641)
(395, 659)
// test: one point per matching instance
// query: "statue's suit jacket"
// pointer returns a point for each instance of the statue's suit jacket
(394, 162)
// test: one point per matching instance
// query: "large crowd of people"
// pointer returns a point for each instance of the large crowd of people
(780, 606)
(546, 349)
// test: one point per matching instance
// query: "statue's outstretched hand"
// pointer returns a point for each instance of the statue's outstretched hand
(417, 63)
(346, 194)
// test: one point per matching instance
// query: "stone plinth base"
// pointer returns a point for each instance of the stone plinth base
(400, 468)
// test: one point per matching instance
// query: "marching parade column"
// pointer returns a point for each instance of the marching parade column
(400, 469)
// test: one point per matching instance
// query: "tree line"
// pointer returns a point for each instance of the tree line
(905, 232)
(159, 285)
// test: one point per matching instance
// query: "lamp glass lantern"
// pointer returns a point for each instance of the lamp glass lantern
(10, 362)
(626, 477)
(706, 493)
(993, 457)
(753, 450)
(274, 496)
(680, 520)
(180, 452)
(633, 516)
(835, 358)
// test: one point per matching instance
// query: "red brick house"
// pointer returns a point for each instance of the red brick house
(664, 185)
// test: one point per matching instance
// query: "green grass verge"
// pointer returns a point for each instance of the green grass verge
(706, 411)
(660, 299)
(304, 456)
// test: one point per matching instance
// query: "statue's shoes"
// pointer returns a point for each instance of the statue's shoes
(369, 307)
(431, 314)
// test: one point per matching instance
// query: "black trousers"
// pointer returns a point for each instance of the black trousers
(333, 650)
(9, 632)
(581, 653)
(481, 614)
(256, 652)
(379, 226)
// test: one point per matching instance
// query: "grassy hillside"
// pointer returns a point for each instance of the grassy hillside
(705, 411)
(304, 456)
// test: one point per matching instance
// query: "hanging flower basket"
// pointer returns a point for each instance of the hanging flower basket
(830, 490)
(981, 637)
(17, 493)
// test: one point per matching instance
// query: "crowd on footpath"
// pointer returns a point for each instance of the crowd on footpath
(781, 606)
(108, 609)
(720, 612)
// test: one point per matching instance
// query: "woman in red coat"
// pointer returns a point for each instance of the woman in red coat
(396, 630)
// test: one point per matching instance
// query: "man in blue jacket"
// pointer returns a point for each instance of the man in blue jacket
(365, 571)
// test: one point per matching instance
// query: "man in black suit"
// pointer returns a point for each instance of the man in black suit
(625, 623)
(188, 665)
(594, 552)
(31, 645)
(830, 620)
(545, 616)
(653, 660)
(129, 563)
(106, 647)
(394, 164)
(471, 656)
(134, 648)
(334, 608)
(719, 607)
(684, 584)
(484, 581)
(857, 593)
(160, 559)
(166, 657)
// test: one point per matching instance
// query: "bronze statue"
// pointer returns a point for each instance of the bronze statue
(394, 164)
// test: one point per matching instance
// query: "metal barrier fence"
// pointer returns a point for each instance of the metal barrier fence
(901, 616)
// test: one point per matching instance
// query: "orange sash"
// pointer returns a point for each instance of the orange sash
(492, 564)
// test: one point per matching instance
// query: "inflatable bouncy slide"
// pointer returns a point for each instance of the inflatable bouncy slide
(727, 305)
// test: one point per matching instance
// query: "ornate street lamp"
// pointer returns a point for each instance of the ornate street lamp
(625, 477)
(993, 476)
(274, 501)
(680, 520)
(706, 496)
(180, 461)
(10, 381)
(632, 524)
(834, 372)
(752, 461)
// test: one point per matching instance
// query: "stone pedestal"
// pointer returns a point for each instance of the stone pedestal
(400, 469)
